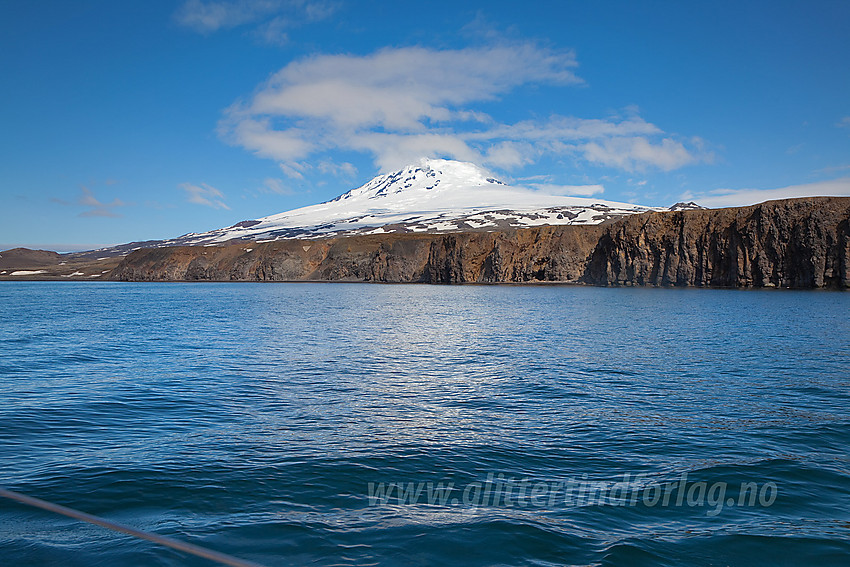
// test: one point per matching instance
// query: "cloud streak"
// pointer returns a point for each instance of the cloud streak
(276, 186)
(401, 104)
(271, 19)
(568, 190)
(97, 208)
(204, 194)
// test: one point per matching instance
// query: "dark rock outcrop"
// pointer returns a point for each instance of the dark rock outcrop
(537, 254)
(798, 243)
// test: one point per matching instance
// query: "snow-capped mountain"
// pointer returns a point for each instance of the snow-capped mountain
(433, 196)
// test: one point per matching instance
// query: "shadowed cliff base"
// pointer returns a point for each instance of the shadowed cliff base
(794, 243)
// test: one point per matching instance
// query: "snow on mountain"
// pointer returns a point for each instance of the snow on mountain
(689, 206)
(433, 196)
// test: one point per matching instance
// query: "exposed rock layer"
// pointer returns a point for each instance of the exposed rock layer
(800, 243)
(538, 254)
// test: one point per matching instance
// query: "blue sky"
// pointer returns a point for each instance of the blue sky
(124, 121)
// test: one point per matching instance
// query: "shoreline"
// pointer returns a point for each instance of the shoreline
(787, 244)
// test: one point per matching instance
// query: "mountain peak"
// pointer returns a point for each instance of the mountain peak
(426, 175)
(432, 195)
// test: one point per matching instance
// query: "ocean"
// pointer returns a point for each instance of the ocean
(365, 424)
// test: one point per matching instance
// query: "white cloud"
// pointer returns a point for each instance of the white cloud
(569, 190)
(568, 128)
(97, 207)
(294, 169)
(204, 194)
(742, 197)
(394, 151)
(402, 88)
(343, 169)
(213, 16)
(265, 141)
(844, 122)
(832, 169)
(274, 185)
(274, 32)
(271, 18)
(637, 153)
(401, 104)
(509, 154)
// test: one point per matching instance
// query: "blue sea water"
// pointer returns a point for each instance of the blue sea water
(312, 424)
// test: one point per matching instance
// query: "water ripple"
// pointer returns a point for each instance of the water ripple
(255, 418)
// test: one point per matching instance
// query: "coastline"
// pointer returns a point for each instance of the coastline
(793, 243)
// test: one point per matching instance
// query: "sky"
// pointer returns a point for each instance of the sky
(129, 121)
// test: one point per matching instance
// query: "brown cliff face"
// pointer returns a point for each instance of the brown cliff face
(536, 254)
(800, 243)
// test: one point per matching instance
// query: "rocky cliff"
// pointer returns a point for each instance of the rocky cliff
(537, 254)
(799, 243)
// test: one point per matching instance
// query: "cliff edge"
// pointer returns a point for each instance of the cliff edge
(795, 243)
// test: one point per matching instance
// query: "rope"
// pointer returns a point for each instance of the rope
(222, 558)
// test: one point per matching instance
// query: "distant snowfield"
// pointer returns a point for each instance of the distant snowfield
(433, 196)
(27, 272)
